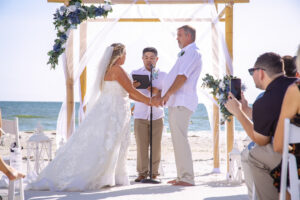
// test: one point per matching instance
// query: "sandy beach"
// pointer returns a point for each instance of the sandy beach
(209, 185)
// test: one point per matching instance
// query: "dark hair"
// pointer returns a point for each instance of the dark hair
(290, 66)
(188, 29)
(150, 49)
(271, 62)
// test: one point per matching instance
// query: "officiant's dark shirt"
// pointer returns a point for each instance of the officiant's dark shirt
(266, 110)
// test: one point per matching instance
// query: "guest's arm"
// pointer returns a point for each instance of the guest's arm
(235, 107)
(290, 107)
(177, 84)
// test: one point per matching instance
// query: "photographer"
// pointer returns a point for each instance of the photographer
(268, 75)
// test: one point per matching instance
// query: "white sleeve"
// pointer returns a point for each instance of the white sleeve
(189, 64)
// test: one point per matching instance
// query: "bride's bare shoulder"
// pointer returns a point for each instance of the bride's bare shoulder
(115, 72)
(119, 70)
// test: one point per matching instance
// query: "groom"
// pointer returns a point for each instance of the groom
(179, 94)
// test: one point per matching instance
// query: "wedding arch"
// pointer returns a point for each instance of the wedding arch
(218, 44)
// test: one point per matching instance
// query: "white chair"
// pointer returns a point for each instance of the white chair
(291, 135)
(253, 192)
(12, 127)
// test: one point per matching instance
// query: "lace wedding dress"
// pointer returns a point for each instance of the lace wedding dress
(95, 155)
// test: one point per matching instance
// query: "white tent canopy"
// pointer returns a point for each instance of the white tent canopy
(156, 26)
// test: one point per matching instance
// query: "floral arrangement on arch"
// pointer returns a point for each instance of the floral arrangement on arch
(220, 89)
(68, 17)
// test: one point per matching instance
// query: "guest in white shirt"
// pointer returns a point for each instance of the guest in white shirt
(179, 94)
(141, 116)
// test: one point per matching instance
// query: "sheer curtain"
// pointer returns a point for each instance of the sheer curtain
(161, 35)
(90, 58)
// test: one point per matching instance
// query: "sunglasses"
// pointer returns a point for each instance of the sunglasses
(251, 70)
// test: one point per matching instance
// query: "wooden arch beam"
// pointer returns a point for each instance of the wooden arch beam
(158, 1)
(228, 12)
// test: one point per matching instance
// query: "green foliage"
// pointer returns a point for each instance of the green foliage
(66, 18)
(219, 88)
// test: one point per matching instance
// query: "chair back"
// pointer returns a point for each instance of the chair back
(291, 136)
(12, 127)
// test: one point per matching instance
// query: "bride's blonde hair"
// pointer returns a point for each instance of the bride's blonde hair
(118, 51)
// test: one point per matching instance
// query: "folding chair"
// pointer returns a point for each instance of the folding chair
(291, 136)
(12, 127)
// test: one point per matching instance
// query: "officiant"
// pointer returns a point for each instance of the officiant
(141, 114)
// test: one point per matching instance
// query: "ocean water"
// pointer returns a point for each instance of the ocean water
(46, 113)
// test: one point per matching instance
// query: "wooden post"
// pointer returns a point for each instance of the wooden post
(0, 123)
(229, 42)
(83, 47)
(70, 86)
(216, 138)
(216, 129)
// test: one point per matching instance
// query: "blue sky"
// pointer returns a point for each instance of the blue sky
(27, 34)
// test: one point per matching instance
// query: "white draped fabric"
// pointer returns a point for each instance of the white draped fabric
(161, 35)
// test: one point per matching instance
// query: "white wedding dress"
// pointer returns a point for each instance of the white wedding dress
(95, 155)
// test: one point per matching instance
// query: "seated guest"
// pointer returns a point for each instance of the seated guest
(290, 71)
(268, 75)
(10, 172)
(290, 109)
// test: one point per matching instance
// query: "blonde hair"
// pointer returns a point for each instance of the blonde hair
(118, 51)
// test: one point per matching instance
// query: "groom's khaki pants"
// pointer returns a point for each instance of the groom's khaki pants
(179, 118)
(142, 133)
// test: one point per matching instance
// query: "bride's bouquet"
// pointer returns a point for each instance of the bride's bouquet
(220, 89)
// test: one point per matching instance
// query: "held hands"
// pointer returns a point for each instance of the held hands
(233, 105)
(155, 101)
(158, 101)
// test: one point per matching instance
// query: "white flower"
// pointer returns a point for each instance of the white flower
(62, 10)
(107, 7)
(81, 9)
(222, 120)
(61, 28)
(68, 32)
(222, 85)
(77, 4)
(217, 95)
(221, 96)
(72, 8)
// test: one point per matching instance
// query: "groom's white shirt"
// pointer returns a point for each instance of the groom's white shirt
(141, 110)
(188, 64)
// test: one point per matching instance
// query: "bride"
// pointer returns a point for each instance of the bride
(95, 155)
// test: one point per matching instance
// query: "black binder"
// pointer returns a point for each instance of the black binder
(143, 79)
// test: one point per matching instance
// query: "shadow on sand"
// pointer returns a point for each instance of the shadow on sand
(234, 197)
(102, 194)
(221, 183)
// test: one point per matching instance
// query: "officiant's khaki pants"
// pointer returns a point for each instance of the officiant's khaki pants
(179, 118)
(142, 133)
